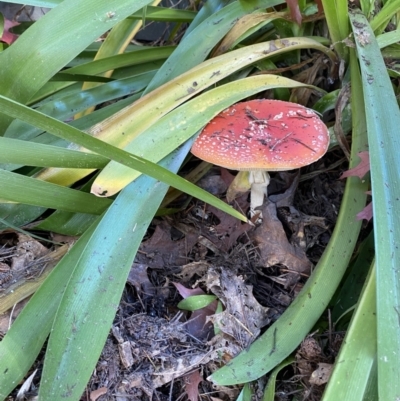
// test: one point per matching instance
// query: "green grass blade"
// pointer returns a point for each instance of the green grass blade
(91, 298)
(116, 42)
(388, 38)
(122, 60)
(382, 18)
(71, 26)
(23, 342)
(383, 121)
(39, 3)
(211, 30)
(36, 154)
(66, 223)
(18, 214)
(165, 14)
(71, 134)
(65, 106)
(269, 392)
(357, 357)
(22, 189)
(359, 131)
(351, 288)
(336, 15)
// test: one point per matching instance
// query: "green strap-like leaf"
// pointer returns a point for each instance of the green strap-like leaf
(269, 392)
(93, 293)
(39, 3)
(22, 189)
(356, 361)
(23, 342)
(50, 43)
(211, 31)
(122, 60)
(383, 122)
(71, 134)
(165, 14)
(37, 154)
(336, 14)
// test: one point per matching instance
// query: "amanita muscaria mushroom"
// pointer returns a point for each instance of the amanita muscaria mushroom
(263, 135)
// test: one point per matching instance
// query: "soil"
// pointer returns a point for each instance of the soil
(158, 351)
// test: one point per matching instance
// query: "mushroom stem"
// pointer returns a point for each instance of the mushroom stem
(259, 181)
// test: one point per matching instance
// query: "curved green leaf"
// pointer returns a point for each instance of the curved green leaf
(69, 133)
(356, 361)
(192, 51)
(122, 60)
(23, 342)
(71, 26)
(269, 392)
(383, 121)
(91, 298)
(36, 154)
(22, 189)
(165, 14)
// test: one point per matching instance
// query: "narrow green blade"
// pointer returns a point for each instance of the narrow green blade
(92, 296)
(355, 363)
(37, 154)
(71, 134)
(383, 122)
(71, 26)
(28, 190)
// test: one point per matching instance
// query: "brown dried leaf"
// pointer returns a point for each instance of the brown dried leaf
(189, 270)
(161, 251)
(140, 280)
(310, 349)
(309, 76)
(27, 250)
(243, 316)
(274, 246)
(125, 354)
(192, 381)
(229, 229)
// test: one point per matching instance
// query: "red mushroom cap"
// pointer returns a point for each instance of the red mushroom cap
(263, 134)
